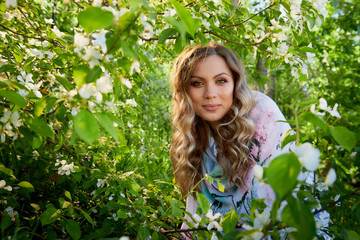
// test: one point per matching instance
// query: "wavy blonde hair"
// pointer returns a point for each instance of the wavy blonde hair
(190, 133)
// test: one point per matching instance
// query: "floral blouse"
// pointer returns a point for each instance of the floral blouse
(270, 130)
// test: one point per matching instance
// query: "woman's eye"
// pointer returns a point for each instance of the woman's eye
(196, 83)
(222, 80)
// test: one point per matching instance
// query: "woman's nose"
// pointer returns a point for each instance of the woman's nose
(210, 92)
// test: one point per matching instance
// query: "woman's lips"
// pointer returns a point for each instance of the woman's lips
(211, 107)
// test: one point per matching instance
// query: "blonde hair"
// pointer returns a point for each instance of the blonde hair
(190, 134)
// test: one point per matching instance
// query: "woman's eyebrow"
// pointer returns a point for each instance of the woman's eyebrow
(219, 74)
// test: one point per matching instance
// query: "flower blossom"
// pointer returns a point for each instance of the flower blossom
(101, 183)
(212, 219)
(65, 169)
(323, 106)
(126, 82)
(330, 177)
(80, 41)
(92, 55)
(100, 40)
(104, 84)
(10, 3)
(87, 90)
(11, 117)
(258, 172)
(131, 102)
(11, 213)
(282, 48)
(308, 156)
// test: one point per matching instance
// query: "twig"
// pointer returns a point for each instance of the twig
(240, 44)
(334, 203)
(191, 230)
(21, 34)
(238, 24)
(38, 32)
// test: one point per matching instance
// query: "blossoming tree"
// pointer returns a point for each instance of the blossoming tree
(84, 141)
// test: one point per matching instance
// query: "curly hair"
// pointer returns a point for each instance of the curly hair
(190, 133)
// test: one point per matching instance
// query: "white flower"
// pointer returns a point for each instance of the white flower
(80, 41)
(49, 54)
(2, 183)
(126, 82)
(310, 57)
(214, 237)
(97, 3)
(92, 55)
(25, 78)
(9, 188)
(323, 105)
(11, 117)
(101, 183)
(217, 2)
(330, 177)
(169, 13)
(212, 219)
(124, 238)
(282, 48)
(258, 171)
(197, 219)
(104, 84)
(131, 102)
(57, 32)
(100, 40)
(129, 125)
(135, 66)
(334, 111)
(87, 90)
(10, 3)
(308, 156)
(65, 169)
(353, 154)
(294, 72)
(322, 219)
(49, 21)
(11, 213)
(262, 219)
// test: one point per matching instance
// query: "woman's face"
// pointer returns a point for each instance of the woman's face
(211, 89)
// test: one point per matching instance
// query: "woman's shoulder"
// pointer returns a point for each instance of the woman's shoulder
(265, 109)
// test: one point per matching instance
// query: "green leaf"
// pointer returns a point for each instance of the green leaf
(39, 107)
(73, 228)
(176, 211)
(353, 235)
(93, 74)
(191, 24)
(311, 20)
(79, 75)
(6, 170)
(230, 221)
(94, 18)
(68, 195)
(63, 81)
(308, 49)
(125, 21)
(5, 221)
(108, 124)
(121, 214)
(50, 215)
(40, 127)
(27, 186)
(288, 139)
(315, 120)
(297, 214)
(18, 55)
(203, 202)
(165, 34)
(86, 126)
(344, 137)
(282, 174)
(13, 97)
(180, 26)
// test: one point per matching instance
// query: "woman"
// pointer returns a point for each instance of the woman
(221, 128)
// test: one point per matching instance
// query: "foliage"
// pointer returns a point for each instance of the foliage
(85, 129)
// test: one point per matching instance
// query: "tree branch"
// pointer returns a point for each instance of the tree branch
(240, 44)
(21, 34)
(38, 32)
(191, 230)
(238, 24)
(336, 202)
